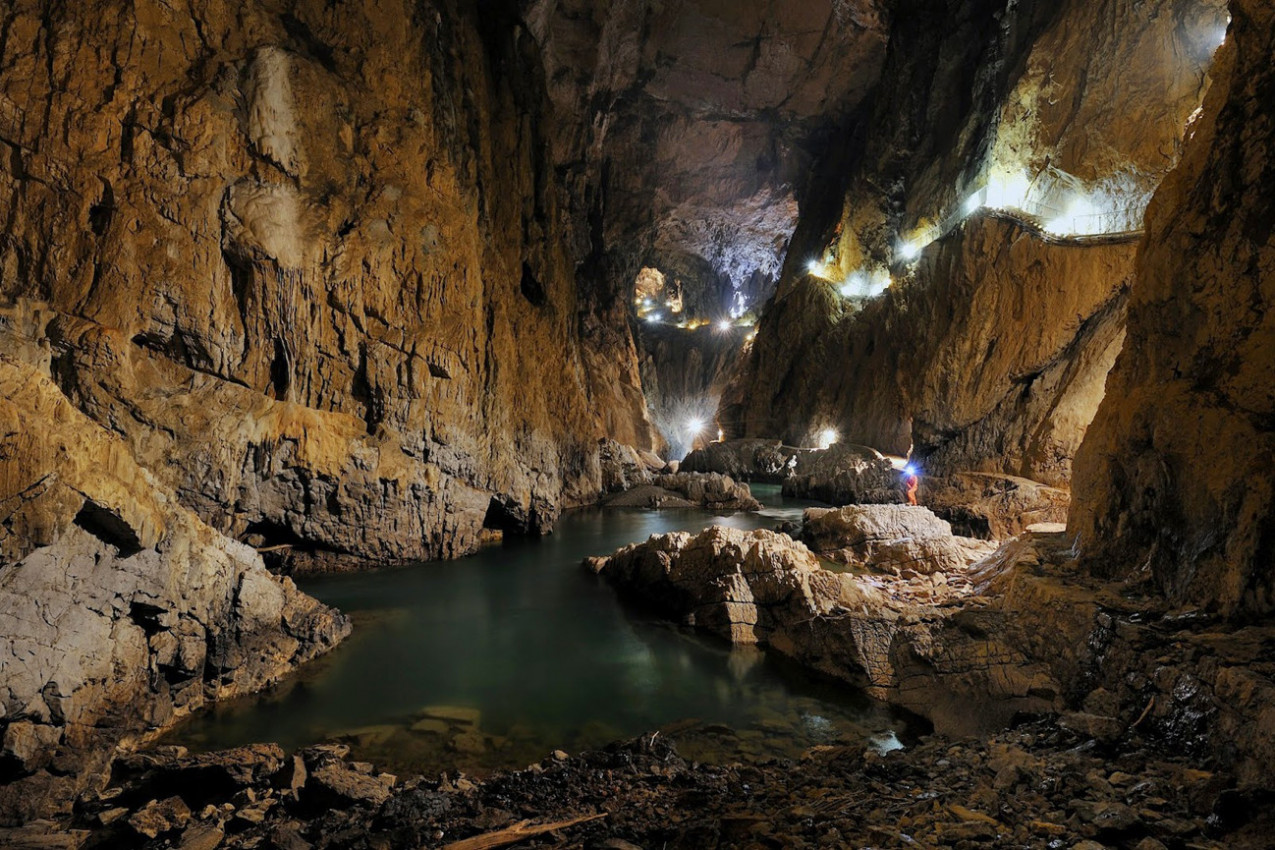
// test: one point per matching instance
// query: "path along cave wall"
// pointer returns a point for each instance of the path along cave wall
(989, 352)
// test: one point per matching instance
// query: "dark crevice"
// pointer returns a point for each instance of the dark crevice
(109, 527)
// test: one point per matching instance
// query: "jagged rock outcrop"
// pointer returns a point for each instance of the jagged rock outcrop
(1174, 481)
(686, 490)
(889, 538)
(844, 474)
(994, 507)
(841, 474)
(743, 586)
(913, 640)
(624, 467)
(748, 460)
(310, 262)
(120, 611)
(990, 100)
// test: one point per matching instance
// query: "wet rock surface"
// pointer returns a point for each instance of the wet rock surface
(1037, 785)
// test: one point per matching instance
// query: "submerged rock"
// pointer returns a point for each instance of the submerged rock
(687, 490)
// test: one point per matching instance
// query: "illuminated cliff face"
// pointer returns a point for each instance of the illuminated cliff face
(989, 218)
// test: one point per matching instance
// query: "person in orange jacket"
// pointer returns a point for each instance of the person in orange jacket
(911, 481)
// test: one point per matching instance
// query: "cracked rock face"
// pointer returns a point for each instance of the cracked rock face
(309, 262)
(120, 611)
(1174, 482)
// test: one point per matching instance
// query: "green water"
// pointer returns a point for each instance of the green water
(495, 660)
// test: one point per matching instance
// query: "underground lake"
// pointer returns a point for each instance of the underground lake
(496, 660)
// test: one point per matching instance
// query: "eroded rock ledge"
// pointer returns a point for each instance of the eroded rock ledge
(120, 611)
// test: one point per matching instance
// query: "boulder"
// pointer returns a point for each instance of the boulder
(740, 585)
(890, 538)
(334, 783)
(844, 474)
(748, 460)
(623, 467)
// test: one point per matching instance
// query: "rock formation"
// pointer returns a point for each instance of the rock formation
(122, 611)
(1174, 482)
(889, 538)
(985, 97)
(268, 250)
(687, 490)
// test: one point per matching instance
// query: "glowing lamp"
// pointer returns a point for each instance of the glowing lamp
(827, 437)
(909, 250)
(694, 426)
(654, 317)
(910, 469)
(724, 325)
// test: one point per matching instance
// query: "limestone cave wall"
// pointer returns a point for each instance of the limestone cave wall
(310, 260)
(1173, 483)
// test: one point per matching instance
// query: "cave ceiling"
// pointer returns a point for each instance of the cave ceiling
(697, 120)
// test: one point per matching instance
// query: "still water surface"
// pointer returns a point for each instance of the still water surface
(494, 660)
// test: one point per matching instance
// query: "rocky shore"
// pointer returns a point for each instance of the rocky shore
(1036, 785)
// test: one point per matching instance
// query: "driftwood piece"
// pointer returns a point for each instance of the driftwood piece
(518, 832)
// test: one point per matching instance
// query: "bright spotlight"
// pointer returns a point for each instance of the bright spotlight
(827, 437)
(724, 325)
(1008, 191)
(846, 290)
(909, 250)
(694, 426)
(972, 203)
(654, 318)
(910, 469)
(813, 266)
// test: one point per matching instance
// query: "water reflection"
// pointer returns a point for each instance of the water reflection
(495, 660)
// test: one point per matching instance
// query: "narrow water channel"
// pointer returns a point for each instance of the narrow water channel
(495, 660)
